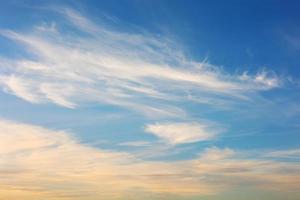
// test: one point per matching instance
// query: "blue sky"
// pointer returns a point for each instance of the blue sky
(99, 93)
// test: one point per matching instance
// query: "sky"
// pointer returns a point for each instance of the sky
(154, 100)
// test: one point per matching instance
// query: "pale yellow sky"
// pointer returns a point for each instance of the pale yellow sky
(37, 163)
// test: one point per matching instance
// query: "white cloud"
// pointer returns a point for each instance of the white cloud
(178, 133)
(137, 71)
(22, 88)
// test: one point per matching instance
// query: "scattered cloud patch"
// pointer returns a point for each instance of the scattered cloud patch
(179, 133)
(215, 153)
(263, 80)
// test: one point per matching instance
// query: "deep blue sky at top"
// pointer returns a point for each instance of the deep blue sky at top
(234, 34)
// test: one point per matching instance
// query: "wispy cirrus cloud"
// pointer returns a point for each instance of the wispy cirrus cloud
(41, 163)
(99, 64)
(291, 153)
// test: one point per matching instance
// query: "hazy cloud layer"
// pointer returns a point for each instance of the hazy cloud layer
(37, 163)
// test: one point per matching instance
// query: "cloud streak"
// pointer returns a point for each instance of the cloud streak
(99, 64)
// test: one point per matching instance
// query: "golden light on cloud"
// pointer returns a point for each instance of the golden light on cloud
(37, 163)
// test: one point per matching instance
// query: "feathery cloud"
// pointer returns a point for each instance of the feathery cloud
(99, 64)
